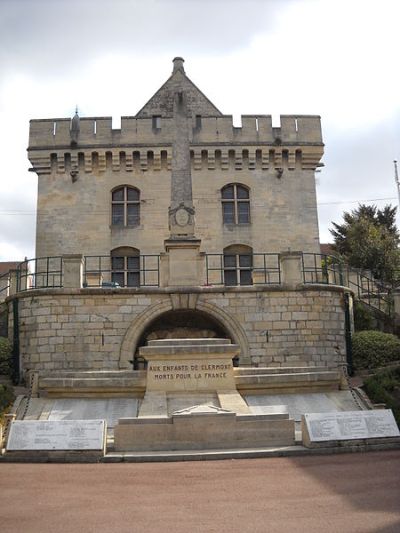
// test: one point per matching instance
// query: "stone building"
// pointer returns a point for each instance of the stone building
(178, 224)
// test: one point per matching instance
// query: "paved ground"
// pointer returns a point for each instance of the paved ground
(345, 493)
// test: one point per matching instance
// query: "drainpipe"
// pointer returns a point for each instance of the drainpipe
(15, 353)
(347, 322)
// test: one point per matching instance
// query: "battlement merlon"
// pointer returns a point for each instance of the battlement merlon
(49, 134)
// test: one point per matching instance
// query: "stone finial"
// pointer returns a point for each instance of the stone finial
(75, 128)
(178, 64)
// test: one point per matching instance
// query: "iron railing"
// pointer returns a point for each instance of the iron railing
(259, 269)
(372, 293)
(98, 272)
(321, 268)
(327, 269)
(40, 273)
(221, 270)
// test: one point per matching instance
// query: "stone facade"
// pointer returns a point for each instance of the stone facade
(78, 170)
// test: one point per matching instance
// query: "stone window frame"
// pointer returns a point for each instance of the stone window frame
(129, 215)
(238, 265)
(125, 266)
(235, 197)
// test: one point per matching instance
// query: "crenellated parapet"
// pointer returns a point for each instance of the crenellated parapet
(255, 129)
(139, 145)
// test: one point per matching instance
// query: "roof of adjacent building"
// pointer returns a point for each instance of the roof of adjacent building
(327, 249)
(5, 266)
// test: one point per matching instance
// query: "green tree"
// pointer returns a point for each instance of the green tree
(369, 239)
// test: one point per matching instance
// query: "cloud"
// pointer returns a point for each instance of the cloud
(335, 58)
(47, 37)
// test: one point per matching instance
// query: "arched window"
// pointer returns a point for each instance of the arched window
(125, 206)
(235, 204)
(125, 267)
(238, 265)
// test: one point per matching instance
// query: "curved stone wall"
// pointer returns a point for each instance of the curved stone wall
(99, 329)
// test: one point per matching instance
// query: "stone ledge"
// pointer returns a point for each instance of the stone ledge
(177, 290)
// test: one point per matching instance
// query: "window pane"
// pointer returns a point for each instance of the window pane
(242, 192)
(133, 279)
(228, 212)
(243, 212)
(133, 263)
(230, 277)
(245, 277)
(118, 195)
(227, 192)
(117, 263)
(230, 261)
(133, 195)
(245, 260)
(133, 214)
(117, 218)
(118, 277)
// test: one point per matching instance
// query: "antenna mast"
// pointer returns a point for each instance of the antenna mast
(396, 179)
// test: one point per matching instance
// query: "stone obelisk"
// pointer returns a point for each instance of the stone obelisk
(182, 247)
(181, 211)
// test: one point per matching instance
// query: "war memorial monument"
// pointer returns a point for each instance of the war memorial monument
(179, 305)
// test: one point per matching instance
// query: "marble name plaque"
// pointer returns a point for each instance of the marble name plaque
(56, 435)
(349, 425)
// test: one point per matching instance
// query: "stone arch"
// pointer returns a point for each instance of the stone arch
(144, 319)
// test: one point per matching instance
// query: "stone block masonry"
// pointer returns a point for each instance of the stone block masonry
(100, 329)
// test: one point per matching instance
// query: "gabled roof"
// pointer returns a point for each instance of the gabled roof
(162, 103)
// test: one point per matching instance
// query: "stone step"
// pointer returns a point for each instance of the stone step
(66, 374)
(289, 382)
(253, 371)
(134, 382)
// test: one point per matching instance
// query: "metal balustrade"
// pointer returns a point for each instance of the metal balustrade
(40, 273)
(327, 269)
(221, 270)
(99, 271)
(243, 269)
(322, 268)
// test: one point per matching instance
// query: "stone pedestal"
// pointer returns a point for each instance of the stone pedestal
(73, 271)
(291, 267)
(191, 369)
(183, 263)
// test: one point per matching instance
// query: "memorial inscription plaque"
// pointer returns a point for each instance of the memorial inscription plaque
(183, 365)
(349, 425)
(54, 435)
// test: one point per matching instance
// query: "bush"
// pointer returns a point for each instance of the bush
(372, 349)
(384, 387)
(5, 356)
(6, 397)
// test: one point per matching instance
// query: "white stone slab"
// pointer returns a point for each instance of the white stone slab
(56, 435)
(299, 404)
(349, 425)
(110, 409)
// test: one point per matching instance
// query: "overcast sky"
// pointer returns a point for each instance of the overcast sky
(335, 58)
